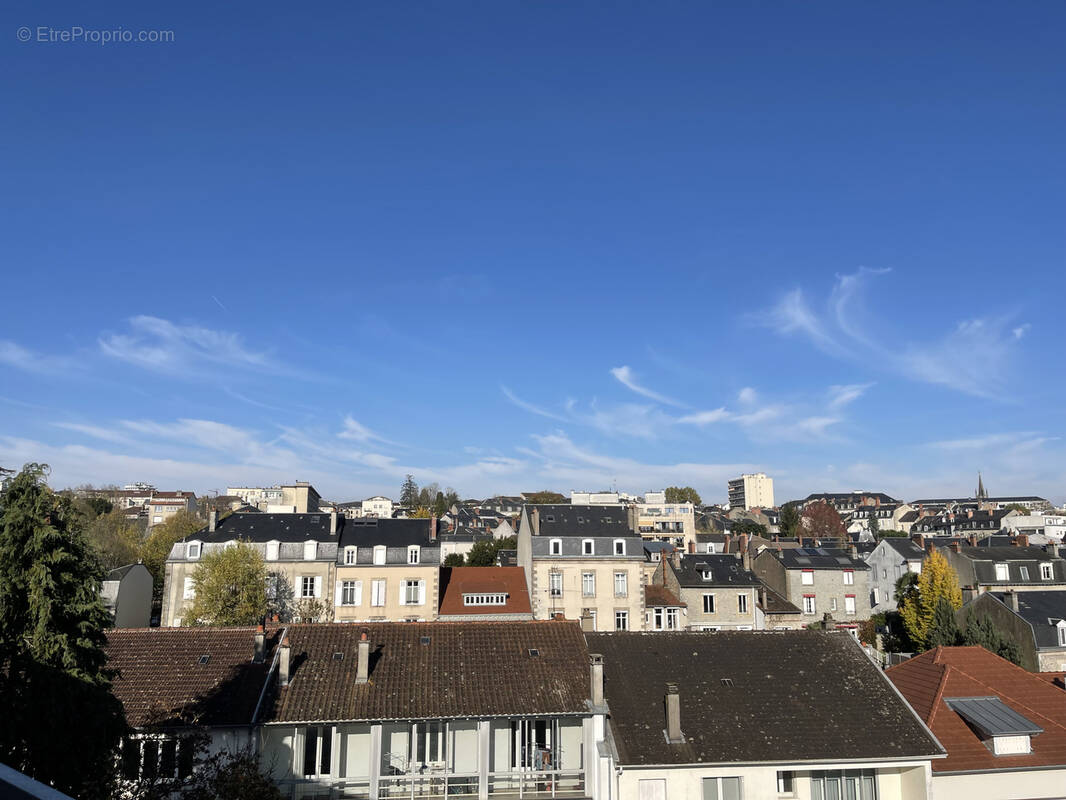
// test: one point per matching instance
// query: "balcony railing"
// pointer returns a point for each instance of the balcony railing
(445, 785)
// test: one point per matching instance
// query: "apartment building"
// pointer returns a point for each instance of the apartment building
(583, 562)
(298, 497)
(656, 520)
(819, 580)
(163, 505)
(719, 592)
(751, 491)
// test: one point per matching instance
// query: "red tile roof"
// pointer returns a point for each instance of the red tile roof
(974, 672)
(655, 595)
(458, 581)
(162, 683)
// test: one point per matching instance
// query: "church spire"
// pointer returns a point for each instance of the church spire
(982, 494)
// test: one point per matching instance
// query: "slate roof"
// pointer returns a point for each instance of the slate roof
(161, 682)
(820, 558)
(570, 520)
(261, 527)
(777, 604)
(793, 696)
(457, 581)
(1039, 609)
(478, 669)
(950, 672)
(726, 570)
(370, 531)
(904, 547)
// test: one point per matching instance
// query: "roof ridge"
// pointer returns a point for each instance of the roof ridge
(941, 685)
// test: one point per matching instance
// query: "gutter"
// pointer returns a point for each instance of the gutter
(266, 684)
(812, 762)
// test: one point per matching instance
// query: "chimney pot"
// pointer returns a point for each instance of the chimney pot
(284, 662)
(362, 673)
(596, 678)
(673, 715)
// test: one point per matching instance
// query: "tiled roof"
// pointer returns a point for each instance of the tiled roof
(655, 595)
(458, 581)
(724, 570)
(161, 681)
(820, 558)
(754, 697)
(949, 672)
(465, 669)
(776, 604)
(569, 520)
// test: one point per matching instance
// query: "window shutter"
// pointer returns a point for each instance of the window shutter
(403, 593)
(318, 586)
(358, 593)
(339, 593)
(421, 593)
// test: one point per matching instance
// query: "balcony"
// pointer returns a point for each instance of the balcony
(443, 784)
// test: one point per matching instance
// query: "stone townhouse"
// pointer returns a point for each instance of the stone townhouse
(891, 559)
(717, 591)
(1018, 567)
(300, 552)
(583, 562)
(819, 580)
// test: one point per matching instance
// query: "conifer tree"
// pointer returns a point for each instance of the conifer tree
(60, 723)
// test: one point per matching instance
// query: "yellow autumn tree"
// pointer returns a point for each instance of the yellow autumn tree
(938, 581)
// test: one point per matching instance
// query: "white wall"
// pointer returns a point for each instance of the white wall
(1021, 785)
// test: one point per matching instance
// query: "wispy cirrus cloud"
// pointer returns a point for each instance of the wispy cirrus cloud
(624, 375)
(15, 355)
(357, 432)
(842, 395)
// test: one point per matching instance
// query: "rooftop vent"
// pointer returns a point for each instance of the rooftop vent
(338, 656)
(424, 640)
(205, 659)
(534, 652)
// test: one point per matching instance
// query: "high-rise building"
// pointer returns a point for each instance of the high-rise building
(751, 491)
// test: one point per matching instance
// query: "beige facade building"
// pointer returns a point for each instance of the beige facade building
(657, 520)
(719, 592)
(163, 505)
(298, 497)
(819, 581)
(751, 491)
(583, 562)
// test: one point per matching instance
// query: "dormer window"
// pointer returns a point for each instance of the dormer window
(1047, 571)
(379, 554)
(619, 547)
(310, 550)
(412, 554)
(1002, 572)
(1060, 628)
(710, 547)
(272, 550)
(706, 574)
(555, 547)
(1002, 729)
(349, 555)
(192, 550)
(588, 547)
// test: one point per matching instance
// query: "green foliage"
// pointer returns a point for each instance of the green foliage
(683, 494)
(225, 775)
(421, 513)
(451, 497)
(943, 630)
(230, 588)
(162, 538)
(894, 637)
(982, 632)
(868, 630)
(888, 533)
(440, 505)
(60, 722)
(115, 540)
(1025, 512)
(409, 492)
(484, 552)
(875, 525)
(455, 560)
(747, 526)
(789, 523)
(937, 581)
(545, 497)
(906, 584)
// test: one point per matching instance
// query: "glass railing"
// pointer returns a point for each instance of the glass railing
(444, 785)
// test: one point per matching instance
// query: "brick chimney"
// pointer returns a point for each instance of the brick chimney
(692, 547)
(259, 645)
(284, 662)
(433, 528)
(673, 715)
(1023, 539)
(596, 679)
(362, 670)
(212, 520)
(918, 539)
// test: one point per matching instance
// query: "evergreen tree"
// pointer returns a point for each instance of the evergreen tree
(875, 525)
(440, 505)
(789, 523)
(409, 492)
(453, 560)
(60, 723)
(484, 552)
(943, 630)
(937, 580)
(982, 632)
(230, 588)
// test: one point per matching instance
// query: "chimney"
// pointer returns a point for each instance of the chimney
(762, 597)
(212, 520)
(728, 541)
(692, 547)
(919, 540)
(1023, 540)
(362, 673)
(284, 662)
(259, 650)
(596, 679)
(586, 621)
(1052, 549)
(745, 559)
(433, 528)
(955, 547)
(673, 715)
(969, 514)
(743, 543)
(333, 522)
(853, 550)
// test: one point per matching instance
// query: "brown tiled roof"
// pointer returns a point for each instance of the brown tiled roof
(465, 669)
(457, 581)
(946, 672)
(161, 682)
(655, 595)
(754, 696)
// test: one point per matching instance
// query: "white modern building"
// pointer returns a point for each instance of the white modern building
(751, 491)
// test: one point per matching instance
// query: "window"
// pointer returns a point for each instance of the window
(673, 619)
(884, 574)
(1025, 573)
(310, 551)
(786, 782)
(588, 584)
(310, 586)
(377, 593)
(707, 575)
(849, 604)
(849, 577)
(853, 784)
(555, 547)
(192, 551)
(379, 554)
(621, 584)
(1002, 572)
(621, 622)
(708, 604)
(833, 604)
(414, 593)
(499, 599)
(1062, 632)
(430, 743)
(318, 751)
(188, 590)
(619, 547)
(588, 547)
(808, 604)
(349, 555)
(742, 603)
(721, 789)
(412, 554)
(807, 577)
(555, 584)
(156, 758)
(710, 547)
(351, 593)
(876, 596)
(1046, 572)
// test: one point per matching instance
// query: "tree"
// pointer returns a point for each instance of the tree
(60, 723)
(683, 494)
(748, 526)
(545, 496)
(230, 586)
(982, 632)
(889, 533)
(875, 525)
(484, 552)
(409, 492)
(162, 538)
(454, 560)
(451, 497)
(225, 775)
(943, 630)
(821, 521)
(789, 522)
(440, 505)
(421, 513)
(936, 581)
(1025, 512)
(115, 540)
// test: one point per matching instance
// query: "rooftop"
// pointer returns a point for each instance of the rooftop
(507, 582)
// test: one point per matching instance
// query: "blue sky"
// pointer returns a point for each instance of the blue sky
(512, 246)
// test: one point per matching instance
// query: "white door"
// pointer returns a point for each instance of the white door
(652, 789)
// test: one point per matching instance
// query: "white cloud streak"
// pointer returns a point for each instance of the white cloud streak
(624, 375)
